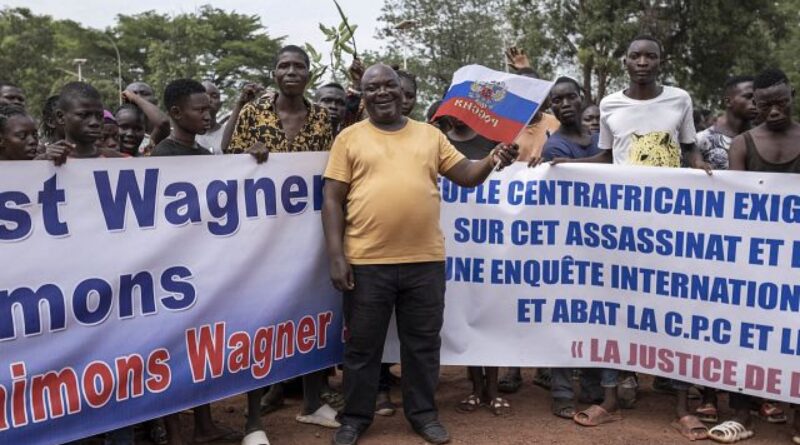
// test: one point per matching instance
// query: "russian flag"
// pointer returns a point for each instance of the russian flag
(495, 104)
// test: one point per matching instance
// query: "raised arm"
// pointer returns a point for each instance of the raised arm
(248, 94)
(335, 197)
(157, 119)
(518, 60)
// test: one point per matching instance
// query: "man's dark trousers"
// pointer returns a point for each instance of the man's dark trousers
(416, 292)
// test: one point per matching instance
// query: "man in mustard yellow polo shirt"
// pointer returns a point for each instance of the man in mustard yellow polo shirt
(386, 250)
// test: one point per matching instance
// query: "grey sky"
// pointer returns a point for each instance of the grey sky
(298, 20)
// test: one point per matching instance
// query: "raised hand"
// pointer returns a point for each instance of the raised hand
(356, 71)
(249, 93)
(517, 59)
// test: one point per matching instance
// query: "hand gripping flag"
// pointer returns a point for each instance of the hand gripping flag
(496, 105)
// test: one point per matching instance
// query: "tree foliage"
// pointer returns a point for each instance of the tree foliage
(229, 48)
(704, 42)
(27, 45)
(340, 39)
(787, 52)
(441, 36)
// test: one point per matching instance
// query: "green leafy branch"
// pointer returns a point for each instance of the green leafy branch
(342, 39)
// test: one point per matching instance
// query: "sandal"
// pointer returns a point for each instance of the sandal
(796, 438)
(324, 416)
(689, 425)
(499, 406)
(730, 432)
(595, 415)
(509, 384)
(470, 404)
(772, 413)
(563, 408)
(257, 437)
(707, 413)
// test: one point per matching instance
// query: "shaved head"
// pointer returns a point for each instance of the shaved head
(214, 96)
(379, 69)
(383, 96)
(143, 90)
(209, 86)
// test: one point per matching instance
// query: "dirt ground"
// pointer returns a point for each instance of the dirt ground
(530, 423)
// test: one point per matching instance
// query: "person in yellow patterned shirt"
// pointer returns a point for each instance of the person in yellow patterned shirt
(286, 122)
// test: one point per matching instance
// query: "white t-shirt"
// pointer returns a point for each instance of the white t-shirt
(212, 140)
(647, 132)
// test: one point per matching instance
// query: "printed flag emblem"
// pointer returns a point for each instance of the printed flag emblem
(488, 94)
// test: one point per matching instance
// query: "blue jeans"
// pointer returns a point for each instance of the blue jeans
(593, 382)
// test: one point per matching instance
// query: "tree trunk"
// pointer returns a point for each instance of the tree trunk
(588, 67)
(602, 84)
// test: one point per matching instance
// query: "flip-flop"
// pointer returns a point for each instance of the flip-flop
(258, 437)
(384, 405)
(499, 406)
(324, 416)
(771, 412)
(469, 405)
(730, 432)
(687, 424)
(595, 415)
(224, 434)
(707, 413)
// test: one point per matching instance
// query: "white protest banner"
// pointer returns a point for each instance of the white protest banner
(135, 288)
(661, 271)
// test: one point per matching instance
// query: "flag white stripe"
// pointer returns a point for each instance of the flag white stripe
(525, 87)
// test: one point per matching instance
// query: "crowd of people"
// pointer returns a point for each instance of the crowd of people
(381, 212)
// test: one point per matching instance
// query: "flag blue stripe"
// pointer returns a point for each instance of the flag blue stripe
(512, 107)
